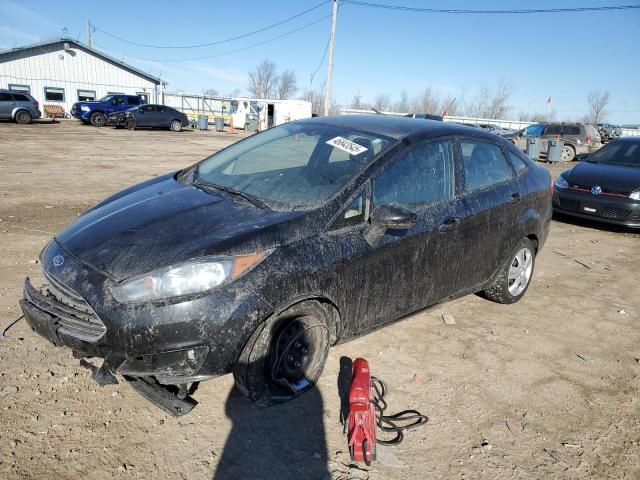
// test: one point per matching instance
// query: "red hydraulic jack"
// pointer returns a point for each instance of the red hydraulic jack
(362, 415)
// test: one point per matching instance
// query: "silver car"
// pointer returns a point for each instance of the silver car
(578, 138)
(18, 106)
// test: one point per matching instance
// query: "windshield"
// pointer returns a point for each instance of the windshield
(294, 166)
(618, 153)
(106, 98)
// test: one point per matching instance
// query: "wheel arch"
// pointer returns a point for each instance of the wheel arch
(17, 110)
(328, 304)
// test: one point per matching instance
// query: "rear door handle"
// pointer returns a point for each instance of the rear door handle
(516, 197)
(449, 223)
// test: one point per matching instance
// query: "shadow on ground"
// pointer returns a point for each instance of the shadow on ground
(284, 441)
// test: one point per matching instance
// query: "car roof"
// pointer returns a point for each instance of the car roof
(398, 127)
(626, 140)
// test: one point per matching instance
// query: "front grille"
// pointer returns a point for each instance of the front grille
(571, 205)
(75, 316)
(615, 213)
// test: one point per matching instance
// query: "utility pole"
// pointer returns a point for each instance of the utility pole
(89, 34)
(327, 97)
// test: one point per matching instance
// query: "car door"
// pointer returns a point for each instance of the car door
(407, 270)
(6, 105)
(162, 116)
(491, 194)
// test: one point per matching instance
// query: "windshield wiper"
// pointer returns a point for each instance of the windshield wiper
(247, 196)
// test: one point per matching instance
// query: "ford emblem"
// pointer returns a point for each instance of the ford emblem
(596, 190)
(58, 260)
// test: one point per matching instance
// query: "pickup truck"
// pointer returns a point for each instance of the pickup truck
(96, 112)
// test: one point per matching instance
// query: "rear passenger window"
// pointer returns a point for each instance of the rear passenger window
(518, 164)
(484, 164)
(420, 176)
(20, 98)
(134, 100)
(5, 97)
(553, 130)
(571, 130)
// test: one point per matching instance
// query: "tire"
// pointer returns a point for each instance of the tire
(267, 373)
(98, 119)
(568, 154)
(507, 289)
(176, 126)
(23, 117)
(130, 124)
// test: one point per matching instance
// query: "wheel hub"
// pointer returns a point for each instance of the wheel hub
(520, 271)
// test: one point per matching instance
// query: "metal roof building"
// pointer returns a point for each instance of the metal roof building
(62, 72)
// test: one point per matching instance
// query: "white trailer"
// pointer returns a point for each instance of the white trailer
(265, 113)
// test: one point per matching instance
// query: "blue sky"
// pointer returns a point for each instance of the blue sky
(377, 51)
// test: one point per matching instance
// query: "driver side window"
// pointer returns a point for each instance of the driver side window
(417, 177)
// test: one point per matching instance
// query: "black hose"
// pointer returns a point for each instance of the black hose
(397, 422)
(3, 335)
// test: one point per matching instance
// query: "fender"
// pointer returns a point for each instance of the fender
(15, 111)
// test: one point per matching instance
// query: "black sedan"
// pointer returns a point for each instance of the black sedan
(159, 116)
(259, 258)
(604, 186)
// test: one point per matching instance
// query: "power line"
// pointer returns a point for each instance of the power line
(290, 32)
(218, 42)
(471, 11)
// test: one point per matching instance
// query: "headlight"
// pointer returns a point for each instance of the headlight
(561, 182)
(84, 108)
(635, 195)
(185, 278)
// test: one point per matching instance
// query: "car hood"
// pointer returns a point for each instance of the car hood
(612, 177)
(163, 221)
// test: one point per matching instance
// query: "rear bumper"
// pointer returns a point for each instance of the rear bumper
(602, 208)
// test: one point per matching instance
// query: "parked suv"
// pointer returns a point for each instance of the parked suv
(18, 106)
(578, 138)
(97, 112)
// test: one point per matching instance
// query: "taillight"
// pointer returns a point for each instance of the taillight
(35, 103)
(587, 139)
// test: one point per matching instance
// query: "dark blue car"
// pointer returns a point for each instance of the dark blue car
(159, 116)
(97, 112)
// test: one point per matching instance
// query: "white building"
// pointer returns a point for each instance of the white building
(62, 72)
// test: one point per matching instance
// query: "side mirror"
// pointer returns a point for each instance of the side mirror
(582, 157)
(388, 216)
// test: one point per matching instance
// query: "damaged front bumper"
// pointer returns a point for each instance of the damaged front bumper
(164, 346)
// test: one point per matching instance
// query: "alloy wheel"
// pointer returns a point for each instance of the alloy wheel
(520, 272)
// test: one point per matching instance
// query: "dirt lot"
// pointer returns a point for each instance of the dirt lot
(545, 387)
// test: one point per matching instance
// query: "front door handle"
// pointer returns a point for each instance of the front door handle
(516, 197)
(449, 223)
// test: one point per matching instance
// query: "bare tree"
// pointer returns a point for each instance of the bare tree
(210, 92)
(382, 102)
(402, 105)
(598, 102)
(235, 93)
(427, 102)
(263, 80)
(286, 85)
(357, 103)
(488, 104)
(316, 97)
(537, 117)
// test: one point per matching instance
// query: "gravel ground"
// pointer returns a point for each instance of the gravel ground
(547, 387)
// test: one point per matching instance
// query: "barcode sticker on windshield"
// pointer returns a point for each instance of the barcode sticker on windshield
(347, 145)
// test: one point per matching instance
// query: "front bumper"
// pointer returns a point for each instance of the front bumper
(603, 208)
(201, 337)
(80, 114)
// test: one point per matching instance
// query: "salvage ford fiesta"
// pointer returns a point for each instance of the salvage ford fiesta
(259, 258)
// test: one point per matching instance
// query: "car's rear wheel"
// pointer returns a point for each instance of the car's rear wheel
(23, 117)
(568, 154)
(285, 356)
(176, 126)
(515, 275)
(98, 119)
(130, 124)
